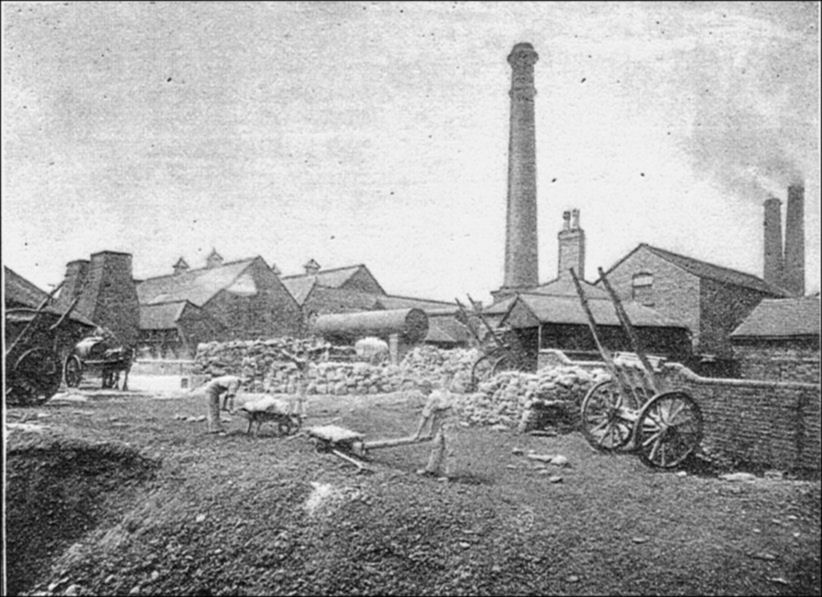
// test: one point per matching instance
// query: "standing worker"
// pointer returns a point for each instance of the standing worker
(303, 366)
(226, 386)
(434, 416)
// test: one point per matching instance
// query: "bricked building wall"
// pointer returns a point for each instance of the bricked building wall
(723, 308)
(268, 313)
(363, 281)
(779, 360)
(763, 424)
(674, 293)
(108, 295)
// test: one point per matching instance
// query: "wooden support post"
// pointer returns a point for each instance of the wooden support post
(631, 332)
(592, 325)
(394, 348)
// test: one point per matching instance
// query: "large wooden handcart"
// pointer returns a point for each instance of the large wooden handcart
(496, 356)
(32, 367)
(632, 410)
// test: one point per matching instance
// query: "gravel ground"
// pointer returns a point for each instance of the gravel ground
(160, 507)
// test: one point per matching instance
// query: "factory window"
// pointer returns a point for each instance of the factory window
(642, 287)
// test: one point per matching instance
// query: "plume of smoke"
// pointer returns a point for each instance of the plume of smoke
(752, 127)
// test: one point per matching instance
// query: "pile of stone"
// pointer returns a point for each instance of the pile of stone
(551, 397)
(432, 363)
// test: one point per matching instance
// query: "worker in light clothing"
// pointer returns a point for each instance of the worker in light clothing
(303, 366)
(434, 418)
(226, 386)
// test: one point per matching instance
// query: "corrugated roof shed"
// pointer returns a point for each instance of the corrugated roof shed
(196, 286)
(568, 310)
(781, 318)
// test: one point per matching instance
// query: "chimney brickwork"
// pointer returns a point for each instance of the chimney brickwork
(75, 278)
(571, 246)
(521, 258)
(794, 277)
(109, 298)
(773, 268)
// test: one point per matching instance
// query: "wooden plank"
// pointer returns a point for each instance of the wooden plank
(334, 433)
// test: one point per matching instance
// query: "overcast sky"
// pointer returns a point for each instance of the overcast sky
(378, 133)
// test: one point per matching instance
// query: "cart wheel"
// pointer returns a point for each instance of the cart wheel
(504, 363)
(35, 377)
(669, 428)
(321, 446)
(73, 371)
(607, 416)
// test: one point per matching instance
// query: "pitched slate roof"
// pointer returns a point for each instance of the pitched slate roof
(299, 287)
(703, 269)
(333, 278)
(197, 286)
(568, 310)
(21, 291)
(564, 286)
(161, 316)
(781, 318)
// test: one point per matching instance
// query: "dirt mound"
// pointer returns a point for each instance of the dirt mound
(56, 491)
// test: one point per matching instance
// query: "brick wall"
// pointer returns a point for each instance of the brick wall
(676, 293)
(762, 424)
(786, 360)
(109, 297)
(270, 312)
(723, 307)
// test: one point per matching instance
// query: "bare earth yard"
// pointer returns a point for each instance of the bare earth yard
(114, 495)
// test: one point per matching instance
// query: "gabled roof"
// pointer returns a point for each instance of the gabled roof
(334, 277)
(703, 269)
(299, 287)
(568, 310)
(20, 291)
(197, 285)
(161, 316)
(393, 301)
(781, 318)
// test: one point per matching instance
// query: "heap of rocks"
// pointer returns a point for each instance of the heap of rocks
(431, 363)
(526, 400)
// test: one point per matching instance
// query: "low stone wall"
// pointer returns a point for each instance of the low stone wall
(332, 372)
(754, 423)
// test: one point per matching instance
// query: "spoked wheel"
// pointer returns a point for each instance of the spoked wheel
(669, 429)
(35, 377)
(73, 371)
(503, 363)
(607, 416)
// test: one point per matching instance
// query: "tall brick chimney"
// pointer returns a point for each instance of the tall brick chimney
(794, 279)
(109, 298)
(571, 246)
(521, 259)
(774, 263)
(75, 278)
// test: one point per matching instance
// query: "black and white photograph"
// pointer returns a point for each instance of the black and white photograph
(411, 298)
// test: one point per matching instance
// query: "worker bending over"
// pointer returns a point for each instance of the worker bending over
(226, 386)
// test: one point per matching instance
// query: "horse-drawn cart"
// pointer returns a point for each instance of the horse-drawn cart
(633, 410)
(98, 354)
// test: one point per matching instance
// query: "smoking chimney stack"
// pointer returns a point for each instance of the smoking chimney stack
(774, 264)
(794, 278)
(521, 259)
